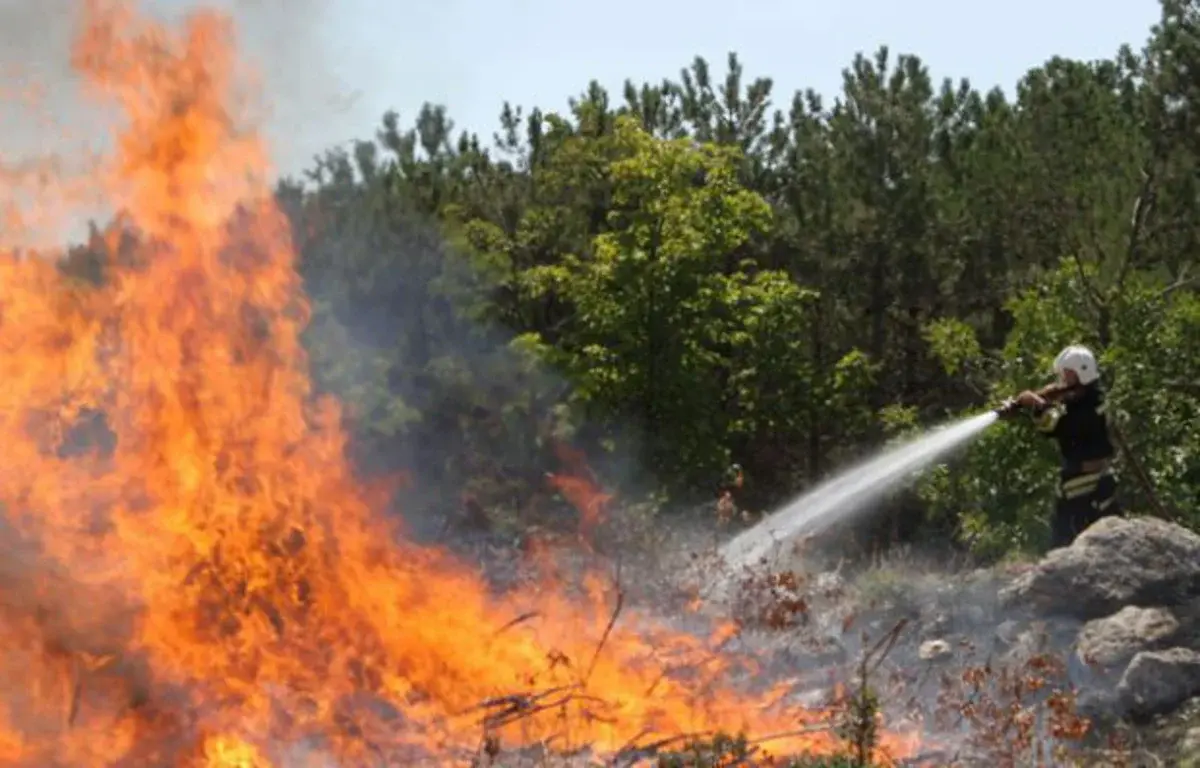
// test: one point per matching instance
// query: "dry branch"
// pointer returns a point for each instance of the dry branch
(612, 620)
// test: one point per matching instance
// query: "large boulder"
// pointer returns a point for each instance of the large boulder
(1159, 681)
(1114, 563)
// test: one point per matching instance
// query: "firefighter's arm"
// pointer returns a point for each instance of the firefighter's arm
(1045, 414)
(1045, 418)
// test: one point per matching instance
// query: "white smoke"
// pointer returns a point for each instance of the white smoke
(49, 129)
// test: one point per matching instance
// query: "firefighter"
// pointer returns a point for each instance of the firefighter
(1077, 422)
(727, 503)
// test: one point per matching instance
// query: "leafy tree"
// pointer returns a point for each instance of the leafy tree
(688, 276)
(668, 330)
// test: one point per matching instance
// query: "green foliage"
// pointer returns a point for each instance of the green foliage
(668, 324)
(1002, 490)
(685, 278)
(954, 343)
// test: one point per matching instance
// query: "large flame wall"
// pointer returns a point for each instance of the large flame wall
(214, 588)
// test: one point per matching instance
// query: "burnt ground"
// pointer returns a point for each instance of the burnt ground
(987, 680)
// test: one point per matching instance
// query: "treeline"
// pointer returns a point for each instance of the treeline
(699, 273)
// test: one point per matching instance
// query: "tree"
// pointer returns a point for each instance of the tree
(686, 277)
(659, 320)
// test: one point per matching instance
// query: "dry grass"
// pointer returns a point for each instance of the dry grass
(977, 706)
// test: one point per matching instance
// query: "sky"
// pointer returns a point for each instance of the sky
(471, 55)
(333, 67)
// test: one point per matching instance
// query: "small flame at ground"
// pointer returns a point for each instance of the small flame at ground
(204, 583)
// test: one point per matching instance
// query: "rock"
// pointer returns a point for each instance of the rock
(1114, 563)
(1188, 615)
(1038, 639)
(1159, 681)
(1104, 647)
(933, 650)
(1097, 704)
(1190, 744)
(1116, 639)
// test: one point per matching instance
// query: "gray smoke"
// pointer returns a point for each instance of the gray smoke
(49, 129)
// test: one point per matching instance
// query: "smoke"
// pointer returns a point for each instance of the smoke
(432, 390)
(454, 405)
(50, 131)
(285, 42)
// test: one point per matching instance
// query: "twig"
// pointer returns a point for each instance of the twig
(524, 617)
(1094, 297)
(76, 694)
(662, 674)
(510, 716)
(612, 620)
(1190, 387)
(883, 647)
(974, 697)
(1101, 300)
(1181, 283)
(1139, 472)
(940, 755)
(628, 745)
(635, 753)
(789, 734)
(1141, 214)
(519, 700)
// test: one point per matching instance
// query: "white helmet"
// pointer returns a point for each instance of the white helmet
(1080, 360)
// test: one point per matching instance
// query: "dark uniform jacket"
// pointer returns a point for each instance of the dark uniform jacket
(1080, 427)
(1086, 485)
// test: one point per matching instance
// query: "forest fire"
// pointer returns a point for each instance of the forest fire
(210, 586)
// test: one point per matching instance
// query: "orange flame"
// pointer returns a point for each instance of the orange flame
(209, 586)
(581, 488)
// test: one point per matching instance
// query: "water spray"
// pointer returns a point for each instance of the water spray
(854, 489)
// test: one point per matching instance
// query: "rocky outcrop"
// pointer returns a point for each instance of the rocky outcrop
(1136, 584)
(1116, 616)
(1120, 607)
(1116, 563)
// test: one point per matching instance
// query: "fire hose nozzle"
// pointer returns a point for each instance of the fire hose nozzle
(1008, 409)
